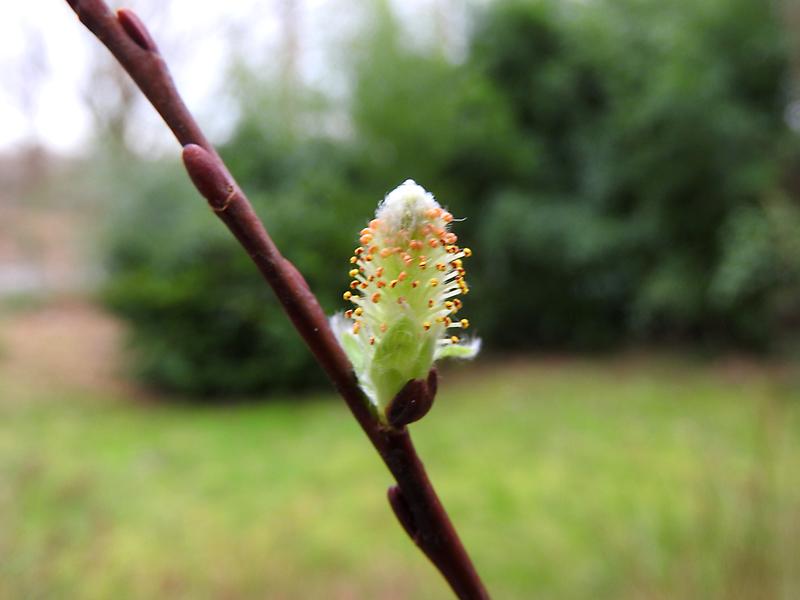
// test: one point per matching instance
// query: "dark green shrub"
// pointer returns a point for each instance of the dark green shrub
(660, 132)
(202, 321)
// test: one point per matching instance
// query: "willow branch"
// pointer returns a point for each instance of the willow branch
(413, 499)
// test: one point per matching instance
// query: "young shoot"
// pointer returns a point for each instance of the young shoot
(407, 279)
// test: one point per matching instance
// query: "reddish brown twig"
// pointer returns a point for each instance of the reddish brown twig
(413, 499)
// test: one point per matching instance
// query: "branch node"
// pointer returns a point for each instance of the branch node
(134, 27)
(413, 401)
(209, 176)
(403, 512)
(228, 199)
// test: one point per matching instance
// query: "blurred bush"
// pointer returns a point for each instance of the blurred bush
(619, 161)
(202, 321)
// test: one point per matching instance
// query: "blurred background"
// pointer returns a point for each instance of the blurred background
(629, 171)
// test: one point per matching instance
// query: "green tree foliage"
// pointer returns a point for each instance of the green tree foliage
(661, 126)
(620, 164)
(202, 322)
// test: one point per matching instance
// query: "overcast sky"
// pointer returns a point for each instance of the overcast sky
(46, 55)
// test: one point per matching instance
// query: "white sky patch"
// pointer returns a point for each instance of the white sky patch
(46, 57)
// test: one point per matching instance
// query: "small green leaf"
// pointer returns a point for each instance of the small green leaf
(458, 350)
(399, 357)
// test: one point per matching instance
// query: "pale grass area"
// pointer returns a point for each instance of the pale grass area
(66, 345)
(635, 477)
(42, 249)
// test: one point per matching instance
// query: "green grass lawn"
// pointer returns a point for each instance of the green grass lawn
(567, 479)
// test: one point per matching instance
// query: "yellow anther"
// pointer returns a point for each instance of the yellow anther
(356, 327)
(454, 339)
(353, 260)
(393, 283)
(384, 327)
(432, 213)
(467, 252)
(372, 340)
(426, 325)
(353, 272)
(448, 304)
(347, 295)
(358, 312)
(433, 282)
(464, 323)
